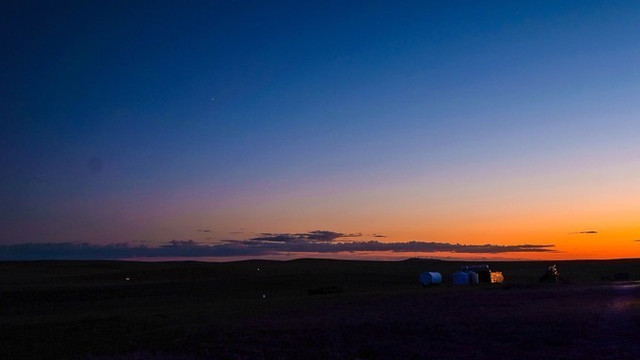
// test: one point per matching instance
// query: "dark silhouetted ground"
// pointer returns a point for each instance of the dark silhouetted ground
(264, 310)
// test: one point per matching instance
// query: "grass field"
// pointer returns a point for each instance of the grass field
(263, 310)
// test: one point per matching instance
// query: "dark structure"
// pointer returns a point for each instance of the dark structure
(552, 274)
(485, 275)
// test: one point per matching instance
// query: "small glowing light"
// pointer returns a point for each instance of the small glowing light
(127, 278)
(258, 269)
(264, 296)
(497, 277)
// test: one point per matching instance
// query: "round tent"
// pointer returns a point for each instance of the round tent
(473, 277)
(430, 278)
(460, 278)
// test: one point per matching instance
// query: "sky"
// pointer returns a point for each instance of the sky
(347, 129)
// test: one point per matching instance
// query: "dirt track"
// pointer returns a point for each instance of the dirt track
(619, 327)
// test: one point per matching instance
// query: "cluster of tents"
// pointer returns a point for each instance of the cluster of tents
(467, 275)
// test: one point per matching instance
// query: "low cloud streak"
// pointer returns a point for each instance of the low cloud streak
(313, 242)
(322, 236)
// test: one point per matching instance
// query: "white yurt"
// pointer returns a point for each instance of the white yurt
(430, 278)
(474, 279)
(460, 278)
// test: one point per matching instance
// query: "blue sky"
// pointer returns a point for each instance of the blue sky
(143, 121)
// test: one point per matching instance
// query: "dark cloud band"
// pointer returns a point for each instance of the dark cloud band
(318, 242)
(311, 236)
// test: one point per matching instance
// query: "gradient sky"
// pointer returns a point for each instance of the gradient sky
(253, 126)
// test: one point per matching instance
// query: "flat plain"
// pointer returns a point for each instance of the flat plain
(315, 309)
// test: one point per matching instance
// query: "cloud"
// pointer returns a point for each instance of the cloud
(323, 235)
(399, 247)
(311, 236)
(585, 232)
(313, 242)
(204, 230)
(274, 238)
(321, 241)
(379, 236)
(85, 251)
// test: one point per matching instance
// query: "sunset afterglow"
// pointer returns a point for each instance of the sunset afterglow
(227, 130)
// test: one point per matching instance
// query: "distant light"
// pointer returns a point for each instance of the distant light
(264, 296)
(127, 278)
(258, 269)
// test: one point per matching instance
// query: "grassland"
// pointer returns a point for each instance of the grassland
(263, 310)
